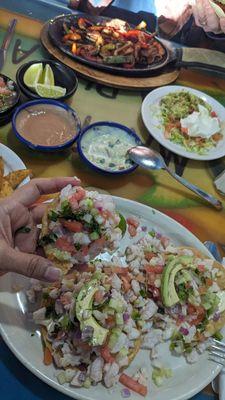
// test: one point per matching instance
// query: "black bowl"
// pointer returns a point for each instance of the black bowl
(64, 77)
(5, 116)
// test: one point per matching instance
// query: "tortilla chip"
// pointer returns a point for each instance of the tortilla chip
(16, 177)
(6, 190)
(65, 266)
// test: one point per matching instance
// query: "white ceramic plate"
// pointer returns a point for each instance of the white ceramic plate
(11, 161)
(16, 328)
(150, 116)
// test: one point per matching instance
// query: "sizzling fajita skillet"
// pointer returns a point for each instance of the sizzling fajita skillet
(170, 54)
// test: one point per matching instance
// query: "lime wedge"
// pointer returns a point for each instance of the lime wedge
(50, 91)
(32, 75)
(47, 77)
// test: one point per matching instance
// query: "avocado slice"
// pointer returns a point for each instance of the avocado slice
(168, 290)
(122, 224)
(84, 303)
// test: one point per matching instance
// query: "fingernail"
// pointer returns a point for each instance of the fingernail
(52, 274)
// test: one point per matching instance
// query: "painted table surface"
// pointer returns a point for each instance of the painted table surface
(156, 189)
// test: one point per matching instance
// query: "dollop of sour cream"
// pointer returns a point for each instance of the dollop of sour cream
(201, 123)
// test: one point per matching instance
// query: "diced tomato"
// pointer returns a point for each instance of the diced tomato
(84, 346)
(200, 310)
(126, 285)
(120, 270)
(200, 337)
(191, 309)
(72, 226)
(184, 131)
(85, 250)
(100, 242)
(197, 311)
(132, 230)
(151, 277)
(149, 255)
(133, 384)
(201, 267)
(132, 221)
(99, 296)
(208, 282)
(197, 320)
(110, 321)
(213, 114)
(65, 299)
(78, 195)
(202, 290)
(156, 269)
(106, 355)
(140, 278)
(63, 244)
(106, 214)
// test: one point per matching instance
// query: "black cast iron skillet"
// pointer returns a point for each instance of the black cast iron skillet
(56, 33)
(175, 56)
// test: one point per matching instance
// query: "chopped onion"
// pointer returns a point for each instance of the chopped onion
(87, 333)
(126, 317)
(125, 393)
(184, 331)
(216, 316)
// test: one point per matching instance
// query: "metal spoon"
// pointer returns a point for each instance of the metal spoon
(151, 159)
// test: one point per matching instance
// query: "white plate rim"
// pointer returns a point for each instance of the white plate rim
(9, 155)
(76, 395)
(158, 135)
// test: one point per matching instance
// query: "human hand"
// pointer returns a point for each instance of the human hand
(93, 7)
(19, 232)
(206, 17)
(172, 15)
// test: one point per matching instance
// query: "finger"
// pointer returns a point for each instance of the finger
(38, 212)
(27, 242)
(198, 12)
(29, 265)
(30, 192)
(222, 24)
(213, 24)
(185, 17)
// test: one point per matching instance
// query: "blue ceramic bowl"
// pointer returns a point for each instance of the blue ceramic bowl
(42, 147)
(129, 131)
(6, 114)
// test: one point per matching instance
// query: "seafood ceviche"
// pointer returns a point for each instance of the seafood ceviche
(7, 94)
(189, 121)
(78, 225)
(112, 43)
(94, 322)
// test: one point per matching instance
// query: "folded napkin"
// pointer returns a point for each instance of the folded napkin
(220, 185)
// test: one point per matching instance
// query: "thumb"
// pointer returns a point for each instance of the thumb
(29, 265)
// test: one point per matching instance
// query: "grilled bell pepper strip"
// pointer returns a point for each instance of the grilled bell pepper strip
(72, 36)
(74, 48)
(107, 47)
(118, 59)
(84, 23)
